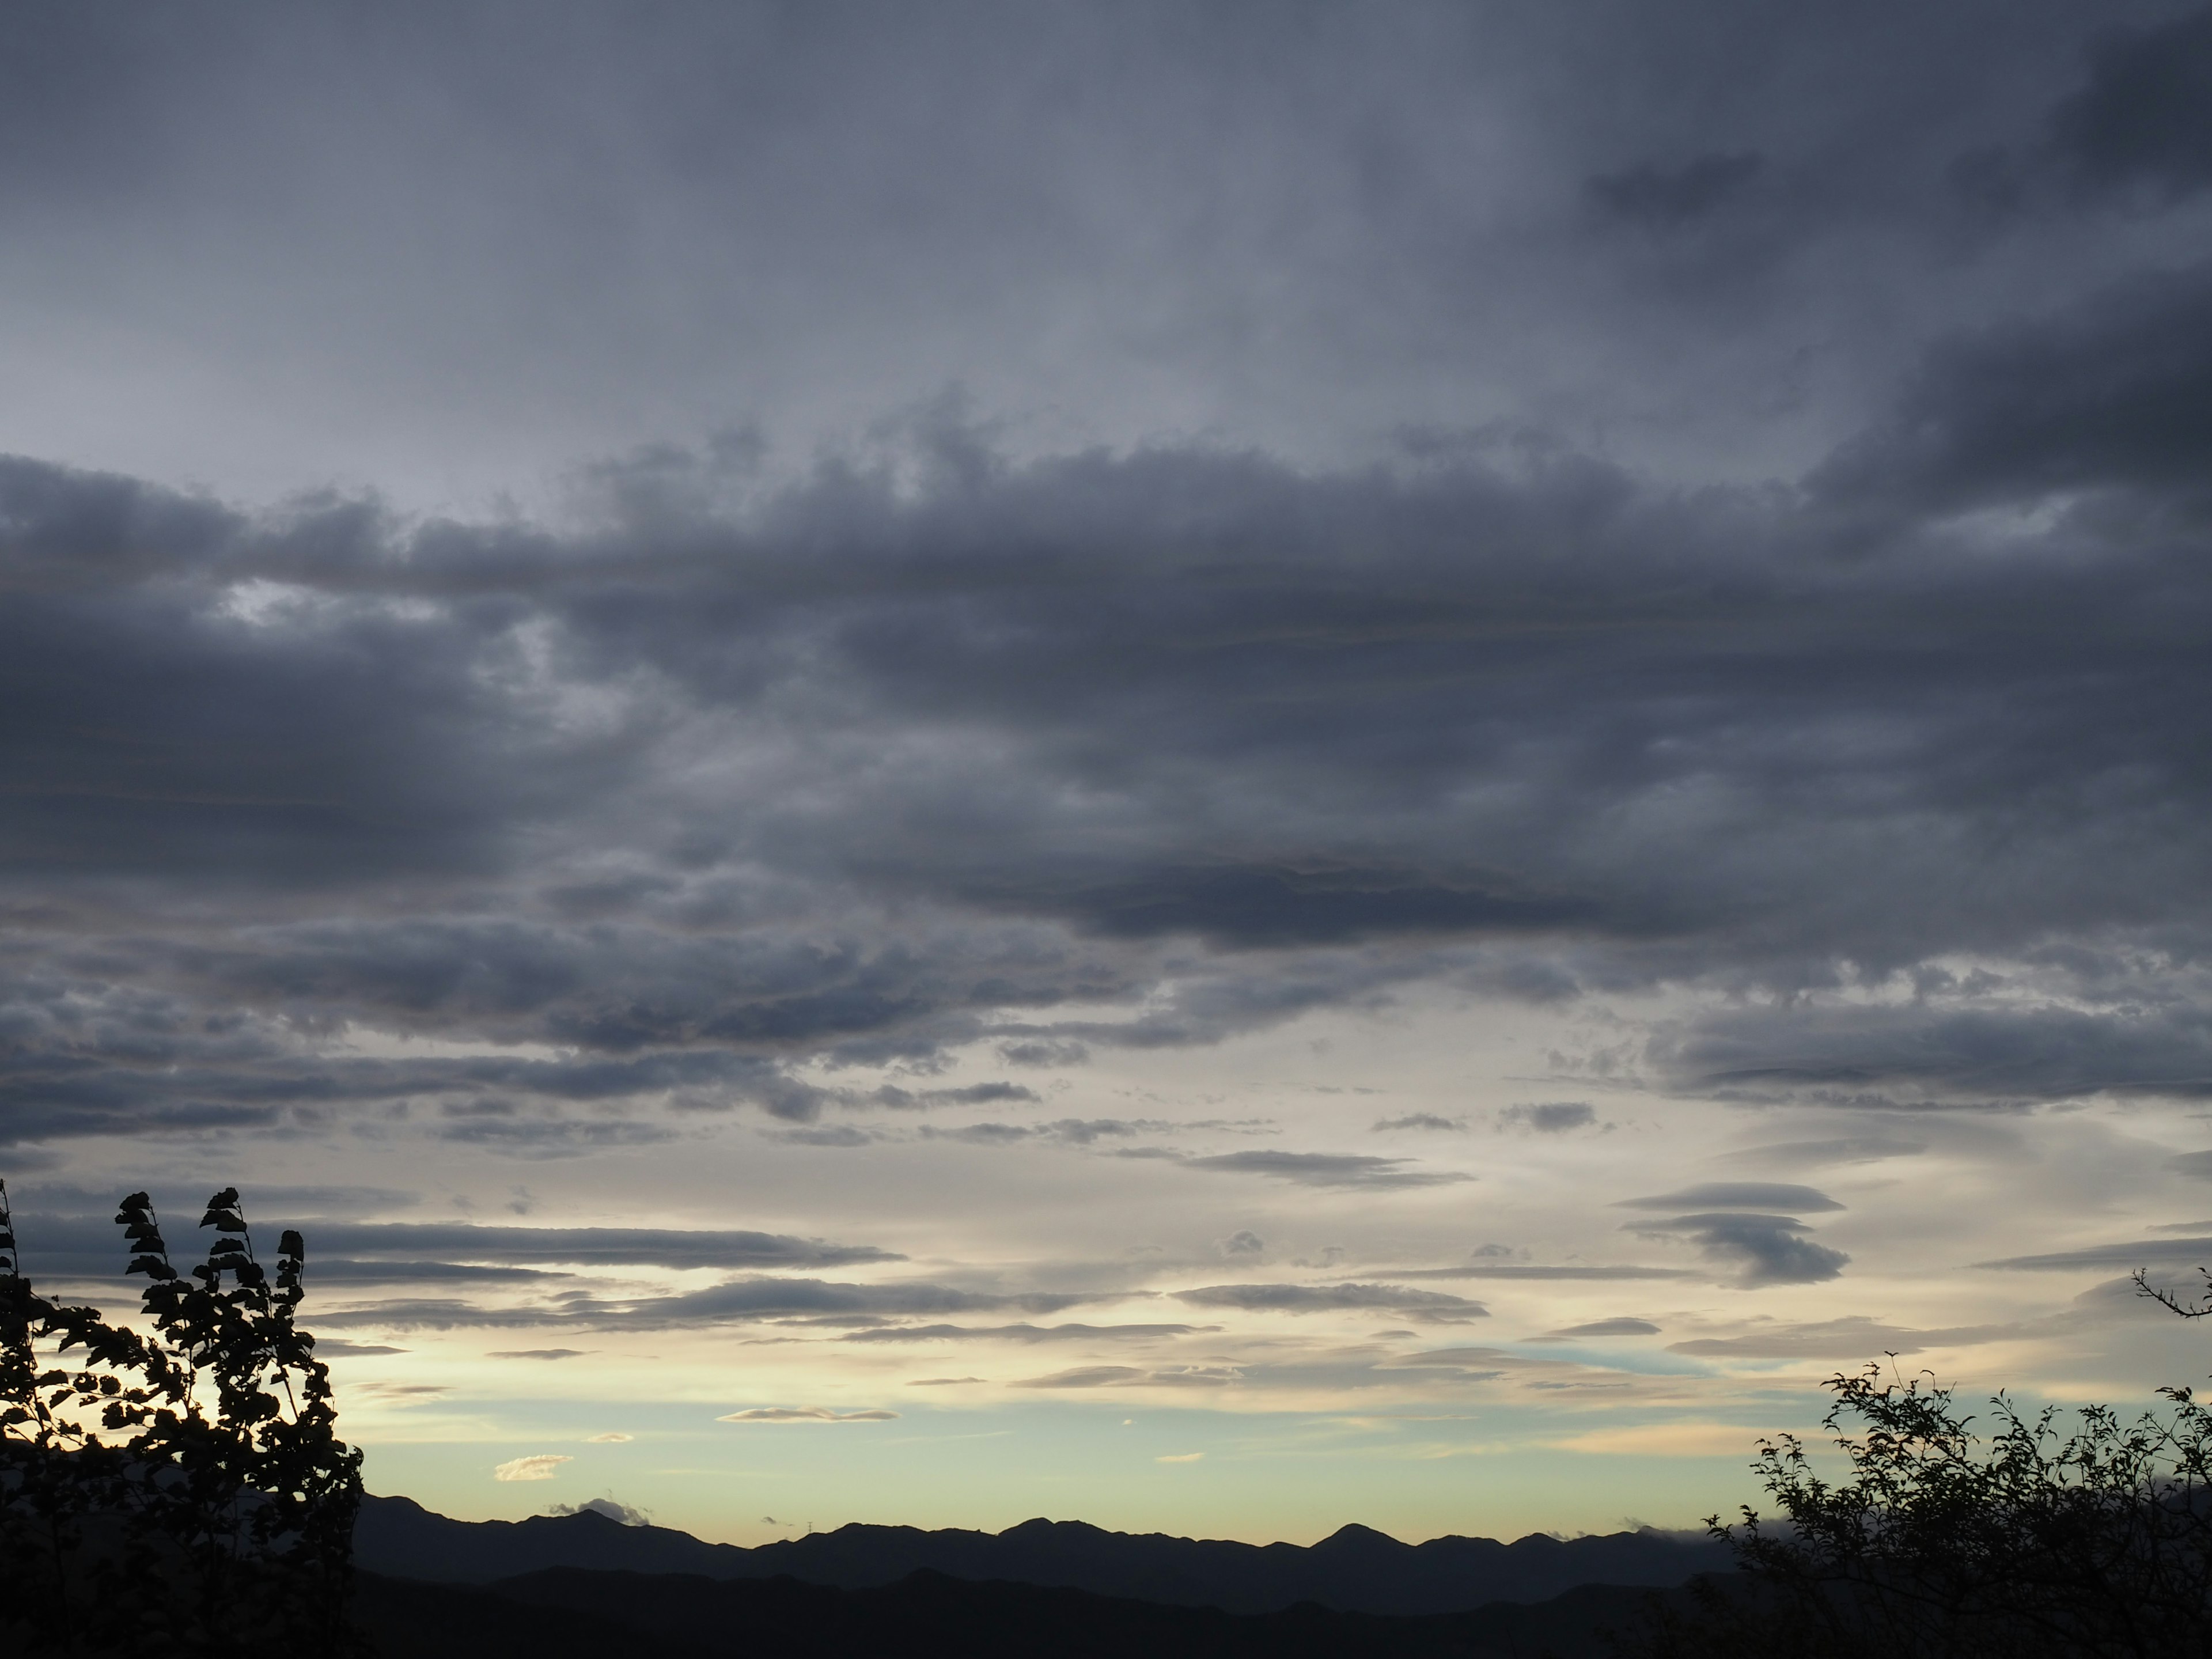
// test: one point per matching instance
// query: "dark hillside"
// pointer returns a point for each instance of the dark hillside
(562, 1612)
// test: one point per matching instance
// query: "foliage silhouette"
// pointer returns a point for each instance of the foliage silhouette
(1939, 1542)
(184, 1490)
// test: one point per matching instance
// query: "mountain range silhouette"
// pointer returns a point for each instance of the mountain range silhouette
(553, 1585)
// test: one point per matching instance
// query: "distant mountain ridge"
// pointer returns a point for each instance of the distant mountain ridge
(1354, 1570)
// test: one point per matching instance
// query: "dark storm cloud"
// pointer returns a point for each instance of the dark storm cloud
(2114, 392)
(1770, 1249)
(928, 747)
(1661, 198)
(2144, 118)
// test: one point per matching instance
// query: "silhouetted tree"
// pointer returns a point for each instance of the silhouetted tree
(182, 1490)
(1940, 1541)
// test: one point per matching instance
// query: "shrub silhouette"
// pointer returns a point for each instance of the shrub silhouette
(184, 1490)
(1941, 1542)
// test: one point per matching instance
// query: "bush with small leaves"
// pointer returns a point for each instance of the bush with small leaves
(182, 1489)
(1940, 1543)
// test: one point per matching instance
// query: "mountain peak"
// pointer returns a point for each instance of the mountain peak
(1353, 1535)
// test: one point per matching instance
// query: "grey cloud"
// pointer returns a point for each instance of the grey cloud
(836, 1134)
(2116, 392)
(1317, 1298)
(1024, 1333)
(1552, 1117)
(403, 1394)
(538, 1353)
(1565, 1273)
(1085, 1376)
(1462, 1364)
(2198, 1165)
(2144, 118)
(1855, 1337)
(1736, 1195)
(1326, 1169)
(486, 1124)
(983, 1134)
(1037, 1052)
(1067, 1131)
(435, 1314)
(1261, 907)
(761, 1298)
(1770, 1249)
(1422, 1120)
(1842, 1149)
(343, 1273)
(1243, 1242)
(313, 1204)
(1054, 250)
(1623, 1327)
(750, 1300)
(2144, 1253)
(1404, 763)
(973, 1094)
(1665, 198)
(605, 1247)
(1082, 1132)
(356, 1253)
(2158, 1041)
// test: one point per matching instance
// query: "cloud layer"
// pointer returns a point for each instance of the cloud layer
(1102, 705)
(651, 811)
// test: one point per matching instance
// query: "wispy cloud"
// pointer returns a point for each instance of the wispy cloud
(539, 1465)
(1314, 1299)
(805, 1414)
(1327, 1168)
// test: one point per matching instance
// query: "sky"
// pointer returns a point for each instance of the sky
(1218, 768)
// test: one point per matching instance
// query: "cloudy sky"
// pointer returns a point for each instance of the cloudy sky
(1220, 768)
